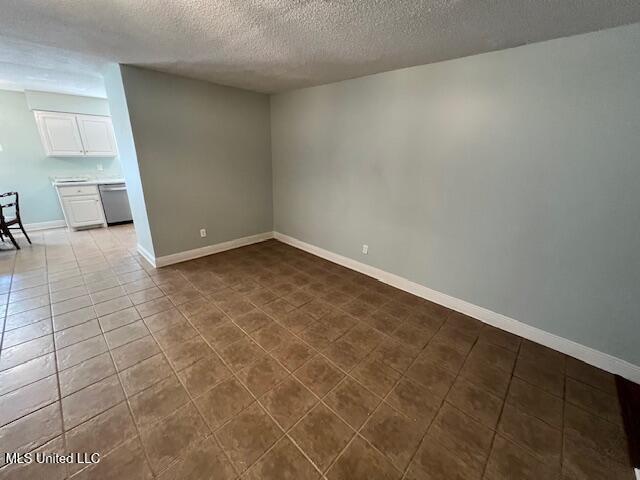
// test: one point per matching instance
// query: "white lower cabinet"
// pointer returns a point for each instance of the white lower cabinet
(81, 206)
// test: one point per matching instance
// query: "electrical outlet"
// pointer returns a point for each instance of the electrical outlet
(203, 232)
(365, 249)
(100, 167)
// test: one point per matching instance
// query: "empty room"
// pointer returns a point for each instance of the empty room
(338, 240)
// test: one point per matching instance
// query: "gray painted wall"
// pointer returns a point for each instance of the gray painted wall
(510, 180)
(204, 156)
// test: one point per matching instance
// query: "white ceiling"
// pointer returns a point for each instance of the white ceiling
(276, 45)
(28, 66)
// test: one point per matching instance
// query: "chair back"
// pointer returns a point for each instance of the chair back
(7, 202)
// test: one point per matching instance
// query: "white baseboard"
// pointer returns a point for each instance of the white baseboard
(34, 227)
(147, 255)
(203, 251)
(586, 354)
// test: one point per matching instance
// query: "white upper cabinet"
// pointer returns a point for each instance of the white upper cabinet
(59, 134)
(74, 135)
(97, 135)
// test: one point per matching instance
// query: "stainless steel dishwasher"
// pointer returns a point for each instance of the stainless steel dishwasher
(115, 203)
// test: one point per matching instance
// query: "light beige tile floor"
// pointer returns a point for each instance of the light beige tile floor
(267, 362)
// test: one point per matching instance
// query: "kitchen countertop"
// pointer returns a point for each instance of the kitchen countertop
(92, 181)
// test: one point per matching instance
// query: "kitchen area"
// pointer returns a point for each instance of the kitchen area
(86, 201)
(59, 152)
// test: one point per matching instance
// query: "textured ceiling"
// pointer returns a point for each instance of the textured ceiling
(27, 66)
(276, 45)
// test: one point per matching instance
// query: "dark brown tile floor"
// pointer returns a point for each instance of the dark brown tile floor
(269, 363)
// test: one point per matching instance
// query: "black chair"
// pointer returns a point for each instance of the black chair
(6, 222)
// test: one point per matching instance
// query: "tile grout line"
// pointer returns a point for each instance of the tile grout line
(319, 353)
(346, 374)
(175, 306)
(53, 333)
(290, 374)
(563, 428)
(191, 397)
(175, 373)
(256, 400)
(5, 308)
(64, 432)
(57, 373)
(358, 433)
(55, 356)
(126, 400)
(87, 293)
(504, 404)
(442, 401)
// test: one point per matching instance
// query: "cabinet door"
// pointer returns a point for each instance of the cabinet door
(97, 136)
(83, 211)
(59, 134)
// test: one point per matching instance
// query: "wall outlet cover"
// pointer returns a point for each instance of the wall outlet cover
(203, 232)
(365, 249)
